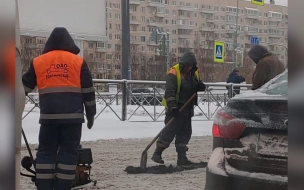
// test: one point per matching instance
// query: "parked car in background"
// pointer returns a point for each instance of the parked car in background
(250, 144)
(147, 96)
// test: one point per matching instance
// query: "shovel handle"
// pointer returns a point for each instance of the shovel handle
(171, 120)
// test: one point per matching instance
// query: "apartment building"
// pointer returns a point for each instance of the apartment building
(193, 25)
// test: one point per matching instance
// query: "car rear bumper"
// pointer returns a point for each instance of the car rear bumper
(232, 182)
(221, 176)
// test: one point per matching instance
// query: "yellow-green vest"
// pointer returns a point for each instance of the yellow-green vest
(179, 81)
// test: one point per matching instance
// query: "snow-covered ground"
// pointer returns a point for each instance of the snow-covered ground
(117, 144)
(109, 126)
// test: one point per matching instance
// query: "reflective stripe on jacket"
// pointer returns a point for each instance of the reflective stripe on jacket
(64, 84)
(179, 79)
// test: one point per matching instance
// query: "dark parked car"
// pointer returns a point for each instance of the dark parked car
(147, 96)
(250, 143)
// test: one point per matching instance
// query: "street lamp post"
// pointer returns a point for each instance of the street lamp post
(235, 35)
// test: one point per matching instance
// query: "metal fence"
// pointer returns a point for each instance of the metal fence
(127, 101)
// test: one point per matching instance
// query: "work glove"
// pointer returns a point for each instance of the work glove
(200, 87)
(174, 112)
(90, 122)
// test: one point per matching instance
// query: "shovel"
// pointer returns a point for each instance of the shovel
(144, 155)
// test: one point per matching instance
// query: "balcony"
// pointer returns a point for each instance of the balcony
(183, 17)
(185, 27)
(134, 2)
(152, 3)
(275, 19)
(251, 33)
(256, 17)
(101, 49)
(207, 11)
(184, 36)
(185, 8)
(207, 29)
(34, 46)
(230, 30)
(160, 14)
(137, 42)
(156, 24)
(152, 43)
(135, 22)
(210, 20)
(274, 35)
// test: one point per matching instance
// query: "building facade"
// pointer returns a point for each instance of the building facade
(193, 25)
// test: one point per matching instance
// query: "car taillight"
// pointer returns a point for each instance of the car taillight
(227, 126)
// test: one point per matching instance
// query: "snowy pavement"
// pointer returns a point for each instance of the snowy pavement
(109, 126)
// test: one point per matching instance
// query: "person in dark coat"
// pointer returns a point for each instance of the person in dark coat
(184, 73)
(65, 88)
(268, 66)
(236, 78)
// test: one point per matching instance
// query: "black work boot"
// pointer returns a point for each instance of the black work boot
(157, 155)
(182, 159)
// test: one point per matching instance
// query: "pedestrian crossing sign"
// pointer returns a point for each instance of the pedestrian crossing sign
(258, 2)
(219, 52)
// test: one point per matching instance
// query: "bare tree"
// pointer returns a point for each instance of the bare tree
(31, 47)
(145, 66)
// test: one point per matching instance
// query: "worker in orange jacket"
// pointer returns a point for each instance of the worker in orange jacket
(65, 87)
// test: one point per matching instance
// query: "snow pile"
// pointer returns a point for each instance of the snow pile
(261, 176)
(216, 160)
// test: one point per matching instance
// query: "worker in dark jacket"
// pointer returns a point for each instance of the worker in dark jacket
(65, 87)
(268, 66)
(182, 81)
(236, 78)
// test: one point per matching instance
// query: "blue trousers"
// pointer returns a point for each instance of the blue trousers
(57, 156)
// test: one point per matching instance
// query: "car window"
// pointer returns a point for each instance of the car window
(277, 86)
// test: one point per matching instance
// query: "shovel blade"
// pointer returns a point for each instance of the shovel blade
(143, 160)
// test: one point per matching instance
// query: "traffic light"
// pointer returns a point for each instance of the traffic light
(162, 46)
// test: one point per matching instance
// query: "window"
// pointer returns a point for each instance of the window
(277, 86)
(142, 48)
(117, 47)
(167, 12)
(117, 36)
(143, 9)
(174, 3)
(143, 19)
(252, 12)
(117, 16)
(109, 56)
(110, 25)
(117, 26)
(143, 28)
(167, 2)
(117, 57)
(133, 8)
(133, 17)
(143, 38)
(109, 15)
(101, 44)
(109, 46)
(174, 13)
(91, 44)
(195, 6)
